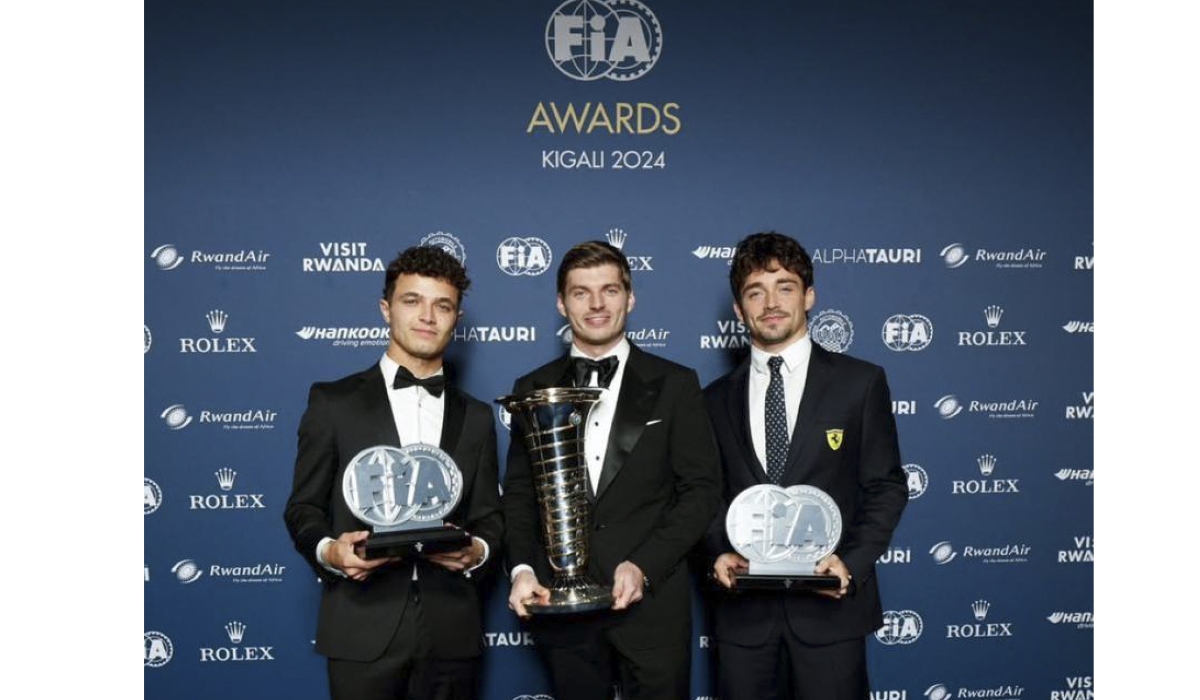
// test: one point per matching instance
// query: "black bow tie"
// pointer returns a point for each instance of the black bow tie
(605, 370)
(434, 385)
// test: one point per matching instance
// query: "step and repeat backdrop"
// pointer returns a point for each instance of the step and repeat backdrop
(934, 156)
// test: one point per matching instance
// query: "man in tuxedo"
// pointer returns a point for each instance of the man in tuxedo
(399, 627)
(794, 413)
(653, 488)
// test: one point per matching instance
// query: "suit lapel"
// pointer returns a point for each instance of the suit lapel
(739, 416)
(638, 396)
(454, 414)
(804, 442)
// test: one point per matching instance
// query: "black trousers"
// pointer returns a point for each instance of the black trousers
(407, 669)
(786, 667)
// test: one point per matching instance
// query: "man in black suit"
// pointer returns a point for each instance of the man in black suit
(653, 489)
(411, 627)
(793, 413)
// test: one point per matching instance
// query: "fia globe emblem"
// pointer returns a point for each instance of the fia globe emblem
(613, 39)
(157, 649)
(918, 480)
(899, 627)
(528, 255)
(151, 497)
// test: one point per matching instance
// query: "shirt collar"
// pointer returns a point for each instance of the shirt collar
(795, 356)
(390, 367)
(619, 351)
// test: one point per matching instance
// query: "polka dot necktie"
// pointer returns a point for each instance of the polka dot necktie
(776, 419)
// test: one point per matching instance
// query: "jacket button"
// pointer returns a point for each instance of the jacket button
(600, 527)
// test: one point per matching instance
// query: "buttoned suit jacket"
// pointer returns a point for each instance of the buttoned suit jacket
(860, 470)
(658, 489)
(357, 619)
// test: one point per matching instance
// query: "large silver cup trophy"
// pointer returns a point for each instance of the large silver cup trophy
(553, 422)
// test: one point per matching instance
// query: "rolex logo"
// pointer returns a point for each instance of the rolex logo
(980, 610)
(216, 320)
(616, 237)
(987, 464)
(235, 630)
(992, 314)
(225, 477)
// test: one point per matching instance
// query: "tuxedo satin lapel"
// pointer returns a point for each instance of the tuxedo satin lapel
(377, 408)
(453, 416)
(739, 416)
(634, 405)
(804, 443)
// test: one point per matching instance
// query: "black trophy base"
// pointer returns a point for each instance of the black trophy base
(410, 542)
(563, 600)
(786, 583)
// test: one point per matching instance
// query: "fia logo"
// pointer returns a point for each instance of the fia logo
(151, 498)
(900, 627)
(907, 332)
(157, 649)
(614, 39)
(519, 256)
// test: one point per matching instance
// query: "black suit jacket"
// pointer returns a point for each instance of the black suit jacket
(863, 476)
(658, 490)
(357, 619)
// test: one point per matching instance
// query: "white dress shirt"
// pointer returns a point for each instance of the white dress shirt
(601, 418)
(794, 371)
(418, 417)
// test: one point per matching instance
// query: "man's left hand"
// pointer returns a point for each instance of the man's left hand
(627, 585)
(458, 559)
(833, 565)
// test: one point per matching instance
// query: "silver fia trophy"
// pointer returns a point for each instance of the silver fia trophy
(403, 493)
(554, 421)
(784, 532)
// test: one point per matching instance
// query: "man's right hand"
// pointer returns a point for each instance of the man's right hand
(342, 555)
(526, 589)
(728, 566)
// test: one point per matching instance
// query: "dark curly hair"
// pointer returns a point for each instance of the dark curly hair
(427, 261)
(756, 251)
(594, 254)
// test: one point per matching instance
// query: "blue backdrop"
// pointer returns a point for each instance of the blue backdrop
(934, 156)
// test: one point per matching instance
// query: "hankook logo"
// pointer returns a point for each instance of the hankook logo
(614, 39)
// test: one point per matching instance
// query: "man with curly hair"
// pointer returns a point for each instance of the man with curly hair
(399, 627)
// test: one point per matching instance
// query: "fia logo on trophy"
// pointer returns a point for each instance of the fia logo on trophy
(403, 493)
(783, 533)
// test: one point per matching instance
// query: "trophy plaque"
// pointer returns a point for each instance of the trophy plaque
(403, 493)
(552, 422)
(783, 533)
